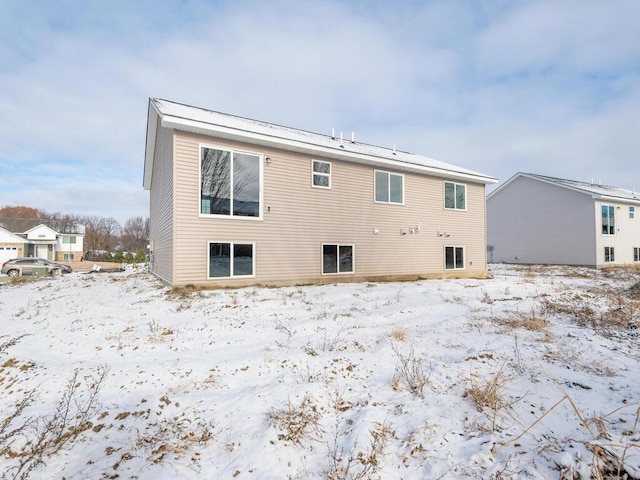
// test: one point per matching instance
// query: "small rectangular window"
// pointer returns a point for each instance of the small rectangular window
(608, 220)
(636, 254)
(231, 260)
(389, 187)
(632, 212)
(454, 258)
(455, 196)
(609, 254)
(321, 174)
(337, 258)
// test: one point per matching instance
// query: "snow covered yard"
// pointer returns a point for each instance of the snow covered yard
(534, 373)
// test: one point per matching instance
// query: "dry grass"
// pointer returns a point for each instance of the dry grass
(410, 373)
(488, 397)
(400, 334)
(297, 422)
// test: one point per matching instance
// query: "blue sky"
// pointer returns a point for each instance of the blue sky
(549, 87)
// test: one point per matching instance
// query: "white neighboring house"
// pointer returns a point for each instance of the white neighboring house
(40, 240)
(535, 219)
(11, 246)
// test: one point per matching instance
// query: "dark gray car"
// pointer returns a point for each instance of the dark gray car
(26, 265)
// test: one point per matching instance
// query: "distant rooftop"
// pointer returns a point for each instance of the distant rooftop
(591, 188)
(338, 145)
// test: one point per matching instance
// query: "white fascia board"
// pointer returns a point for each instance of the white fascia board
(149, 152)
(185, 124)
(609, 198)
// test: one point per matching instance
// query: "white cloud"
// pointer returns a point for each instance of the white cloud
(549, 87)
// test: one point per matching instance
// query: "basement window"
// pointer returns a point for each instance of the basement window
(609, 254)
(454, 258)
(231, 259)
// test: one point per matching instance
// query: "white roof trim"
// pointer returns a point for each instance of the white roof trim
(260, 133)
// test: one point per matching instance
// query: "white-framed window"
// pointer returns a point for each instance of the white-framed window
(453, 258)
(68, 239)
(68, 256)
(337, 258)
(389, 187)
(230, 183)
(636, 254)
(609, 254)
(608, 220)
(320, 174)
(231, 259)
(632, 212)
(455, 196)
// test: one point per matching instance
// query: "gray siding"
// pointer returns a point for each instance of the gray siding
(298, 219)
(161, 215)
(530, 221)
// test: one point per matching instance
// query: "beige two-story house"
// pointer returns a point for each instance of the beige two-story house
(237, 202)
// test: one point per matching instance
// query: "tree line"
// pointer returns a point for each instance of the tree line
(104, 238)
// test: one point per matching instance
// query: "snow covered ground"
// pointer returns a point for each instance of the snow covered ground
(534, 373)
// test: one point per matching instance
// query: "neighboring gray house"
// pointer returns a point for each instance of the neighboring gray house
(235, 202)
(535, 219)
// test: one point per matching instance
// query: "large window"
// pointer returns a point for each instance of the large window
(68, 239)
(389, 187)
(608, 220)
(609, 254)
(229, 183)
(455, 196)
(231, 259)
(337, 258)
(454, 258)
(321, 176)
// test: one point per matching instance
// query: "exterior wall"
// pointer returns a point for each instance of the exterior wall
(626, 238)
(161, 215)
(531, 222)
(73, 251)
(298, 218)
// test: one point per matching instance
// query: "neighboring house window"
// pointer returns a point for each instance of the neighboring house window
(636, 254)
(337, 258)
(608, 220)
(454, 258)
(455, 196)
(632, 212)
(68, 256)
(231, 259)
(68, 239)
(609, 255)
(389, 187)
(321, 174)
(229, 183)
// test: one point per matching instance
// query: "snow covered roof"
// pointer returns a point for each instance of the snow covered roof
(208, 122)
(596, 190)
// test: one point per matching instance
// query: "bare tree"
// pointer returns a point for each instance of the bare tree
(135, 234)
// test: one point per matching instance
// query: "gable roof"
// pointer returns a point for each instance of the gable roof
(603, 192)
(7, 237)
(20, 225)
(177, 116)
(24, 225)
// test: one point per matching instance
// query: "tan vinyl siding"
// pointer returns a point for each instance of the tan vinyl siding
(161, 220)
(297, 219)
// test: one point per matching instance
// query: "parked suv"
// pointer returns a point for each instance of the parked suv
(26, 265)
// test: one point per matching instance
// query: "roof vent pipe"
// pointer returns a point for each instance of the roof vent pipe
(394, 149)
(353, 137)
(341, 144)
(333, 134)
